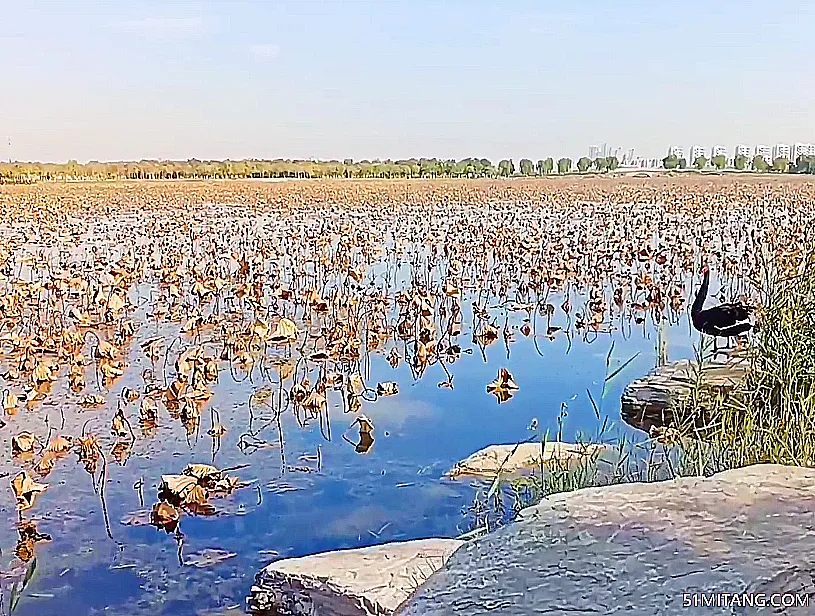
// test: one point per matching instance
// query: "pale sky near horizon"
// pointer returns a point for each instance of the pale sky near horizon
(114, 80)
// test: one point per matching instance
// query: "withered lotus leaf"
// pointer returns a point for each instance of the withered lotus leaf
(46, 463)
(118, 426)
(357, 384)
(24, 442)
(176, 488)
(315, 403)
(387, 389)
(26, 490)
(365, 424)
(131, 395)
(76, 377)
(29, 536)
(92, 400)
(217, 431)
(44, 372)
(87, 448)
(503, 387)
(394, 358)
(111, 369)
(165, 516)
(105, 350)
(60, 445)
(10, 402)
(202, 472)
(286, 331)
(121, 452)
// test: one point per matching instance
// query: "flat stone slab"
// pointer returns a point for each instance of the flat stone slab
(637, 548)
(359, 582)
(650, 400)
(517, 458)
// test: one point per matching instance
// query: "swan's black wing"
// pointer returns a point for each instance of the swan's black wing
(729, 314)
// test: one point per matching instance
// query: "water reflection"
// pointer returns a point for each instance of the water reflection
(204, 430)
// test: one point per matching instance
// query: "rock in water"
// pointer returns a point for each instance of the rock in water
(360, 582)
(517, 458)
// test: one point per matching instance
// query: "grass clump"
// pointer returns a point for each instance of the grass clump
(770, 416)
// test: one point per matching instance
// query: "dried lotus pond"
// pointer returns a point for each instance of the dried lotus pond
(196, 375)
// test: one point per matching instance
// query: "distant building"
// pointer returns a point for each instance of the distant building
(594, 151)
(782, 150)
(765, 152)
(802, 149)
(811, 149)
(718, 150)
(743, 150)
(676, 150)
(695, 152)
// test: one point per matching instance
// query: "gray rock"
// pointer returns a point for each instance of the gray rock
(516, 458)
(640, 549)
(360, 582)
(652, 399)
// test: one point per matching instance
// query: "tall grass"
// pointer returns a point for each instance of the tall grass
(770, 416)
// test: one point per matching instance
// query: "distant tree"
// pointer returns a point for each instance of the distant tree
(804, 164)
(682, 164)
(548, 165)
(486, 169)
(600, 163)
(759, 164)
(700, 162)
(526, 167)
(740, 162)
(540, 167)
(781, 164)
(348, 162)
(583, 164)
(564, 165)
(612, 163)
(506, 168)
(719, 161)
(670, 161)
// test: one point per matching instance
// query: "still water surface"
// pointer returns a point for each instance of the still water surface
(397, 491)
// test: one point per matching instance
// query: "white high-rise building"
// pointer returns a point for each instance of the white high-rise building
(718, 150)
(765, 152)
(676, 150)
(811, 149)
(594, 151)
(695, 152)
(782, 150)
(801, 149)
(743, 150)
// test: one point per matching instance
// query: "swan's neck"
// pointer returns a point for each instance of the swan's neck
(701, 295)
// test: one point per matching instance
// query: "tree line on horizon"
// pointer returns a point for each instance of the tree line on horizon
(804, 164)
(21, 172)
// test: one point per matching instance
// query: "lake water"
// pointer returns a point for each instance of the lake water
(325, 496)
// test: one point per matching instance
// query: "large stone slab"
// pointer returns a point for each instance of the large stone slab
(359, 582)
(637, 548)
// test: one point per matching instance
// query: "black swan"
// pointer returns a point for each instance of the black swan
(724, 320)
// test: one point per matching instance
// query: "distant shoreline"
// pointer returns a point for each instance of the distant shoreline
(630, 175)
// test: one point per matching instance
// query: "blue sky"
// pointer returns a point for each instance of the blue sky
(122, 79)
